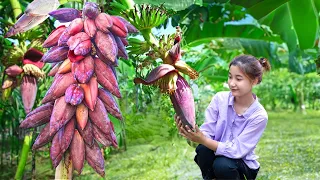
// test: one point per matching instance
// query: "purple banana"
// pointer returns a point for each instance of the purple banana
(105, 139)
(118, 28)
(74, 58)
(101, 137)
(66, 134)
(74, 94)
(65, 14)
(103, 22)
(60, 84)
(90, 93)
(43, 138)
(130, 27)
(56, 54)
(54, 69)
(75, 40)
(83, 70)
(91, 10)
(124, 41)
(90, 27)
(107, 45)
(106, 77)
(82, 114)
(63, 39)
(37, 117)
(75, 26)
(110, 103)
(56, 152)
(77, 151)
(95, 159)
(83, 48)
(54, 37)
(86, 133)
(65, 67)
(100, 117)
(121, 48)
(62, 112)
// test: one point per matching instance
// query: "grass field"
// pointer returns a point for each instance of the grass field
(289, 149)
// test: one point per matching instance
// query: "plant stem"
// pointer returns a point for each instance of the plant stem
(148, 36)
(24, 156)
(129, 3)
(34, 157)
(66, 1)
(16, 8)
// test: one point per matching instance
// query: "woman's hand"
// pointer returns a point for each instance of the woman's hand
(194, 135)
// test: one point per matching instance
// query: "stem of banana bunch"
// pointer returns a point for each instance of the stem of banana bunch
(128, 3)
(16, 7)
(66, 1)
(24, 156)
(148, 36)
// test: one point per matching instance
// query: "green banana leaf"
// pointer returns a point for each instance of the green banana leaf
(295, 20)
(259, 8)
(250, 38)
(196, 36)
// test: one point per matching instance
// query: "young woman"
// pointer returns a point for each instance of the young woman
(234, 123)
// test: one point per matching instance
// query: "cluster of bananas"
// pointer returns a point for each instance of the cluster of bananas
(143, 16)
(138, 46)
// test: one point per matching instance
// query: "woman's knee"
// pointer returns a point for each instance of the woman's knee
(201, 149)
(204, 153)
(224, 167)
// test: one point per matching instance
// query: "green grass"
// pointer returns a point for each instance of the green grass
(289, 149)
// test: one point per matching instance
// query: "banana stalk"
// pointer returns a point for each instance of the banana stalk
(148, 36)
(24, 156)
(16, 7)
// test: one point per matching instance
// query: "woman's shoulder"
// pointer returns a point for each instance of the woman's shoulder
(260, 113)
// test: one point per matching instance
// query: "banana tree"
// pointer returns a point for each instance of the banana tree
(299, 30)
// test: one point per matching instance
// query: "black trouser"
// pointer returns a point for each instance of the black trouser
(221, 167)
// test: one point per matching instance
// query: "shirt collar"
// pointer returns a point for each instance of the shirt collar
(250, 110)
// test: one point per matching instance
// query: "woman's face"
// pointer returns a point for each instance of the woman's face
(238, 82)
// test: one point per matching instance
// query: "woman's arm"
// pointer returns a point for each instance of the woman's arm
(238, 147)
(246, 141)
(211, 117)
(196, 135)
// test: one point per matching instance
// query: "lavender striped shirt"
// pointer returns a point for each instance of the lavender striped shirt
(238, 135)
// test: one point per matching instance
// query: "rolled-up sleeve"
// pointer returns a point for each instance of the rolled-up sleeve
(211, 116)
(246, 141)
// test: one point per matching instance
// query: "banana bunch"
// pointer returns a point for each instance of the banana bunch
(75, 110)
(117, 7)
(138, 46)
(143, 16)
